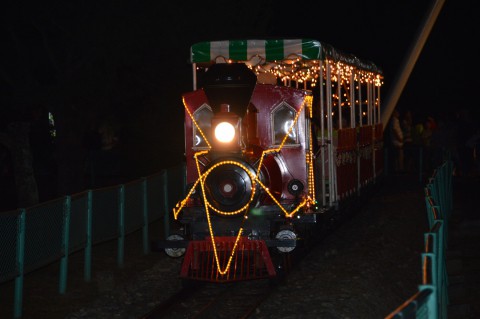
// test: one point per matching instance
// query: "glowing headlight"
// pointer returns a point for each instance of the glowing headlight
(224, 132)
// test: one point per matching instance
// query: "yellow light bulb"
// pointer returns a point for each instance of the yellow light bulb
(224, 132)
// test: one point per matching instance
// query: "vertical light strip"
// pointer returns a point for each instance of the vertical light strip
(352, 100)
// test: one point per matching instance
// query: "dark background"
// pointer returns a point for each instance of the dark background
(124, 65)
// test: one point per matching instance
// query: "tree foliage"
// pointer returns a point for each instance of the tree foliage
(118, 62)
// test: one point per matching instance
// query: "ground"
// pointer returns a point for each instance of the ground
(366, 269)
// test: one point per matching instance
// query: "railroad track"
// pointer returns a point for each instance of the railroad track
(230, 300)
(214, 300)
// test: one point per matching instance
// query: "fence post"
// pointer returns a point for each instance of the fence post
(87, 270)
(166, 217)
(420, 164)
(450, 188)
(442, 270)
(66, 239)
(440, 185)
(18, 295)
(121, 226)
(145, 216)
(385, 161)
(432, 300)
(432, 257)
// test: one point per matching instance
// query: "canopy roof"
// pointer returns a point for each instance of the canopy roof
(257, 52)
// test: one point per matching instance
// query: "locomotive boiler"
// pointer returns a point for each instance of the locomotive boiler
(281, 138)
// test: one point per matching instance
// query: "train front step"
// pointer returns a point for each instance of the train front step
(228, 259)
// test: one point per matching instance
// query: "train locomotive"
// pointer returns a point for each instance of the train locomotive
(281, 137)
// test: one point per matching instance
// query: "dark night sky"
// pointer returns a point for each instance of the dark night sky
(381, 31)
(90, 59)
(384, 31)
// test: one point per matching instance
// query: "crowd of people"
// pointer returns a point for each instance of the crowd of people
(430, 140)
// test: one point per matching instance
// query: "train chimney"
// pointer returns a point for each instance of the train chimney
(231, 84)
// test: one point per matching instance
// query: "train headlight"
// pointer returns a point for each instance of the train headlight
(224, 132)
(226, 129)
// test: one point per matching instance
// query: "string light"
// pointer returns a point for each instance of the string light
(295, 69)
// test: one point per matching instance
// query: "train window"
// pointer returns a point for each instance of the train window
(283, 117)
(203, 117)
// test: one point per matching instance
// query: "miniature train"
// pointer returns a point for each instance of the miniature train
(282, 137)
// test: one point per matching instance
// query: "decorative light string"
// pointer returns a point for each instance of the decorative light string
(295, 68)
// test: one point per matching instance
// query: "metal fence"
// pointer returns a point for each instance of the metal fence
(431, 300)
(33, 237)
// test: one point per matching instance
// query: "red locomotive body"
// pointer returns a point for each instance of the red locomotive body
(266, 101)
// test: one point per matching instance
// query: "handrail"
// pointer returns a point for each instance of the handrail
(36, 236)
(431, 300)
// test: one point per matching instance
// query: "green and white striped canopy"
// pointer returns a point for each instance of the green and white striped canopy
(273, 50)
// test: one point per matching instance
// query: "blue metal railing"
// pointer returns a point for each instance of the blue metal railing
(33, 237)
(431, 300)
